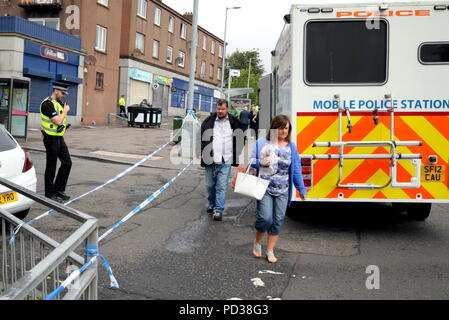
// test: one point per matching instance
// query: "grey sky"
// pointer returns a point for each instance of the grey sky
(257, 24)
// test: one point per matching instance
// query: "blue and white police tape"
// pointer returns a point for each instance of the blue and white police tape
(91, 251)
(145, 203)
(136, 210)
(17, 229)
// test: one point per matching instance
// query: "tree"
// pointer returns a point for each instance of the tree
(240, 61)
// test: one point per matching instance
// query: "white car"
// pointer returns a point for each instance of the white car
(15, 166)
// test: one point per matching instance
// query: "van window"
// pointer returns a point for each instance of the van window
(6, 141)
(345, 52)
(434, 53)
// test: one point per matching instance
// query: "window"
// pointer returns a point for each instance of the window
(169, 54)
(204, 43)
(220, 51)
(99, 85)
(212, 47)
(157, 17)
(211, 71)
(203, 69)
(103, 2)
(434, 53)
(183, 30)
(345, 52)
(142, 8)
(140, 42)
(6, 141)
(171, 24)
(155, 49)
(100, 42)
(219, 74)
(181, 58)
(52, 23)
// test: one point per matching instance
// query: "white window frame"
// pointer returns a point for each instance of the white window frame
(183, 56)
(204, 42)
(171, 24)
(43, 20)
(101, 38)
(156, 52)
(169, 54)
(104, 3)
(142, 8)
(219, 74)
(212, 47)
(183, 30)
(203, 69)
(211, 71)
(157, 16)
(142, 36)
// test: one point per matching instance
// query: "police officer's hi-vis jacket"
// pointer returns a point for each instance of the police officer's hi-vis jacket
(47, 125)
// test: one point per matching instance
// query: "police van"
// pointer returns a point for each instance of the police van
(367, 89)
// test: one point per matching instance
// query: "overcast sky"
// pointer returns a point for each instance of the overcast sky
(257, 24)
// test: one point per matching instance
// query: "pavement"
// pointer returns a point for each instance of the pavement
(115, 143)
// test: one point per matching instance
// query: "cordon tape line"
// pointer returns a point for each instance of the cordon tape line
(120, 175)
(93, 250)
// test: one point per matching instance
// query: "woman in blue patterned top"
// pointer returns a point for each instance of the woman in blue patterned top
(277, 160)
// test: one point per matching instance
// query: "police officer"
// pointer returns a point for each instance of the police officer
(53, 127)
(122, 105)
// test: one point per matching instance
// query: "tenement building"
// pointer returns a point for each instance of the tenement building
(136, 48)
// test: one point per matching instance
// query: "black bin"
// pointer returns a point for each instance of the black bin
(138, 115)
(155, 117)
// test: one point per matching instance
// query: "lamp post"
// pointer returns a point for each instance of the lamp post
(193, 54)
(224, 47)
(249, 76)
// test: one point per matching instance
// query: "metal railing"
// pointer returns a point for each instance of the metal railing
(35, 265)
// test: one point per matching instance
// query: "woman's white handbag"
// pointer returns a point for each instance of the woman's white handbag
(251, 186)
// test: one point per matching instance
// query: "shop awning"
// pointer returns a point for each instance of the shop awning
(67, 78)
(38, 73)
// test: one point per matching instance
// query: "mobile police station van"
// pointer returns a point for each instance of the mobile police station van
(367, 89)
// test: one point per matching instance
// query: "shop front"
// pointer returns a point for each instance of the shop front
(140, 86)
(37, 57)
(203, 100)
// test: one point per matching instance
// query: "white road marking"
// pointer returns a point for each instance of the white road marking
(270, 272)
(122, 155)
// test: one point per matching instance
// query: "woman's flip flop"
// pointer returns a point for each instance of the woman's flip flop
(257, 250)
(271, 258)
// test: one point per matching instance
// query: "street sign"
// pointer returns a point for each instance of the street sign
(235, 73)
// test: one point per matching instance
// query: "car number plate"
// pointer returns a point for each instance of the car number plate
(433, 173)
(8, 197)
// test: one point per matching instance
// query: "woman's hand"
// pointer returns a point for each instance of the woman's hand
(266, 162)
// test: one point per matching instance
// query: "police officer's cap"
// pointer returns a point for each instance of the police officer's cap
(62, 87)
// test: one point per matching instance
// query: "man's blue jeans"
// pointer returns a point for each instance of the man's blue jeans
(217, 180)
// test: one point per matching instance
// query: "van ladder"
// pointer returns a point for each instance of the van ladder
(393, 156)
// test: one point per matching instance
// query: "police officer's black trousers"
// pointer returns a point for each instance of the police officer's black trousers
(56, 149)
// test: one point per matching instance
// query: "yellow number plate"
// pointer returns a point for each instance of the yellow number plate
(8, 197)
(432, 173)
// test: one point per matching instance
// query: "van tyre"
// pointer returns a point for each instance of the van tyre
(419, 211)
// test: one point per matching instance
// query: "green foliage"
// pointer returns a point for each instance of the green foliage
(240, 61)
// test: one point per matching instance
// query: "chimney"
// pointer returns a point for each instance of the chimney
(188, 16)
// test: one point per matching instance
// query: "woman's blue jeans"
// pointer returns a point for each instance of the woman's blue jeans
(217, 180)
(271, 214)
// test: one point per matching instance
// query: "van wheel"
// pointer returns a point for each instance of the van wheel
(419, 211)
(22, 214)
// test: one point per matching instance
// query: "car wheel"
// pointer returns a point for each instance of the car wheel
(22, 214)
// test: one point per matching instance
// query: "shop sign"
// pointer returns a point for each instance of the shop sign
(164, 80)
(54, 54)
(140, 75)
